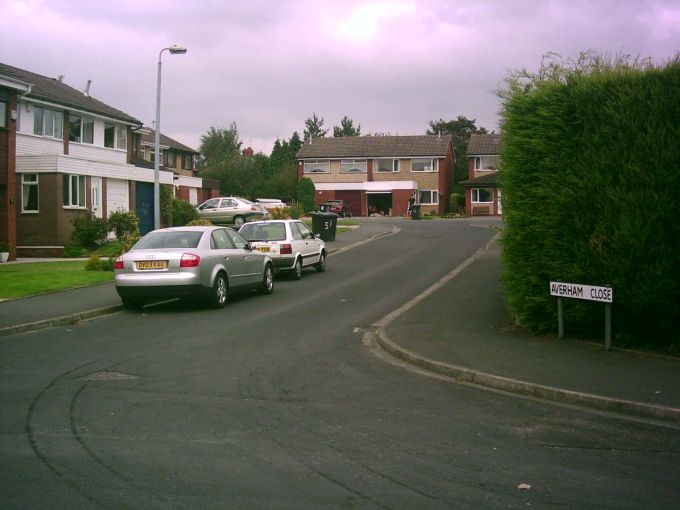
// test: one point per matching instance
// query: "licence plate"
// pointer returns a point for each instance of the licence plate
(152, 264)
(263, 249)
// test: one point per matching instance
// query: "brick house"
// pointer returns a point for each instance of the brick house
(482, 195)
(380, 173)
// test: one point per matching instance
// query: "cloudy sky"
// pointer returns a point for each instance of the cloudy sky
(390, 65)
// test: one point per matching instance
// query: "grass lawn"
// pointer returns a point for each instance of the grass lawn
(19, 280)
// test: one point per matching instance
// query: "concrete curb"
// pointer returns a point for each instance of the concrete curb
(470, 376)
(59, 321)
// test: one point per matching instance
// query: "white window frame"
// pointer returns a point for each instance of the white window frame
(485, 163)
(121, 137)
(80, 182)
(475, 195)
(317, 167)
(57, 125)
(395, 165)
(83, 131)
(24, 183)
(353, 166)
(432, 167)
(434, 196)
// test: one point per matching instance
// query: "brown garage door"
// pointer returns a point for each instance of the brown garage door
(353, 198)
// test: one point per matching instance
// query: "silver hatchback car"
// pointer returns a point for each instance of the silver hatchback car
(289, 243)
(208, 262)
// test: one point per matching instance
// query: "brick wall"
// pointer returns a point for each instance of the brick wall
(8, 227)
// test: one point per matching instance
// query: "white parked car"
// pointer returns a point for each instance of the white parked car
(270, 203)
(290, 244)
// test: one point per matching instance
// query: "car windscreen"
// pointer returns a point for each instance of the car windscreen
(175, 239)
(263, 231)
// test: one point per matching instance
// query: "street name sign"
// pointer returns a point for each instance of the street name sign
(578, 291)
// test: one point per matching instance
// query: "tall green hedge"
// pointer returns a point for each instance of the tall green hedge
(591, 195)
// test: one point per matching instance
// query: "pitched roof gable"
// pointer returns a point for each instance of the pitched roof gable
(484, 145)
(375, 147)
(52, 91)
(150, 138)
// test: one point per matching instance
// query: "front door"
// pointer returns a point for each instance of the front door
(96, 196)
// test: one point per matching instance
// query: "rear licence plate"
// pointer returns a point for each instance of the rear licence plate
(263, 249)
(152, 264)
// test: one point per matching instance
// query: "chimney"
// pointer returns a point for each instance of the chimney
(86, 92)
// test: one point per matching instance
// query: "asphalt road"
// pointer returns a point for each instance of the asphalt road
(275, 402)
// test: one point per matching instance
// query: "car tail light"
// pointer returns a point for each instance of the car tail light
(118, 264)
(286, 249)
(189, 260)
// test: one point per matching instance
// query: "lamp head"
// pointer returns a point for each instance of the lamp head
(177, 50)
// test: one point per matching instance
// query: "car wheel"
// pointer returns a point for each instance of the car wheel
(321, 265)
(131, 303)
(239, 221)
(297, 270)
(220, 291)
(267, 286)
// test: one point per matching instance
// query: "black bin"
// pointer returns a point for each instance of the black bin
(325, 224)
(415, 212)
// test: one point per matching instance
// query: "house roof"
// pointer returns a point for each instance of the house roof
(55, 92)
(484, 145)
(375, 147)
(490, 179)
(149, 137)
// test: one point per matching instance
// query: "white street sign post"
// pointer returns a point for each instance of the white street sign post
(587, 292)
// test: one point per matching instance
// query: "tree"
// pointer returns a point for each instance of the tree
(314, 127)
(219, 145)
(346, 128)
(460, 131)
(306, 191)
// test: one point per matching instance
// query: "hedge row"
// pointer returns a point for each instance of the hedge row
(591, 195)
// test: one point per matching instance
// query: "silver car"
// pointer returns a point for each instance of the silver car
(234, 210)
(289, 243)
(207, 262)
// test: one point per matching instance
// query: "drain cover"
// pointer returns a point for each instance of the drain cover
(105, 375)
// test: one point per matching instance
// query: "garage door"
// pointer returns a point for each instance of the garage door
(144, 206)
(117, 196)
(353, 198)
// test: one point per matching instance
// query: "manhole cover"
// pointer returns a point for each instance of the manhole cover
(105, 375)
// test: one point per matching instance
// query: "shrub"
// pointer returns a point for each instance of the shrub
(457, 203)
(590, 174)
(123, 223)
(296, 210)
(74, 251)
(305, 192)
(88, 230)
(200, 222)
(129, 241)
(279, 213)
(182, 212)
(95, 263)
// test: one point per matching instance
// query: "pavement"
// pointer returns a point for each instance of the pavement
(459, 329)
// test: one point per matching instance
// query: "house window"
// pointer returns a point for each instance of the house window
(486, 162)
(121, 137)
(3, 114)
(428, 197)
(351, 166)
(48, 122)
(482, 195)
(74, 190)
(424, 165)
(187, 161)
(109, 135)
(29, 192)
(317, 167)
(81, 129)
(387, 165)
(171, 159)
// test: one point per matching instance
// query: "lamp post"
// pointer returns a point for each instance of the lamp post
(174, 50)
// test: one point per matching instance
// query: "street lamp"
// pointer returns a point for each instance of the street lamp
(174, 50)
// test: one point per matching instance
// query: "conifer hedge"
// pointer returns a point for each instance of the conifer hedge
(591, 195)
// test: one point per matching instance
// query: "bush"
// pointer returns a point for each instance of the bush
(123, 223)
(74, 251)
(305, 192)
(296, 210)
(200, 222)
(590, 179)
(95, 263)
(457, 203)
(279, 213)
(182, 212)
(88, 230)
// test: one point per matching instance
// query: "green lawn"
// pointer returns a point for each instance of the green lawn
(20, 280)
